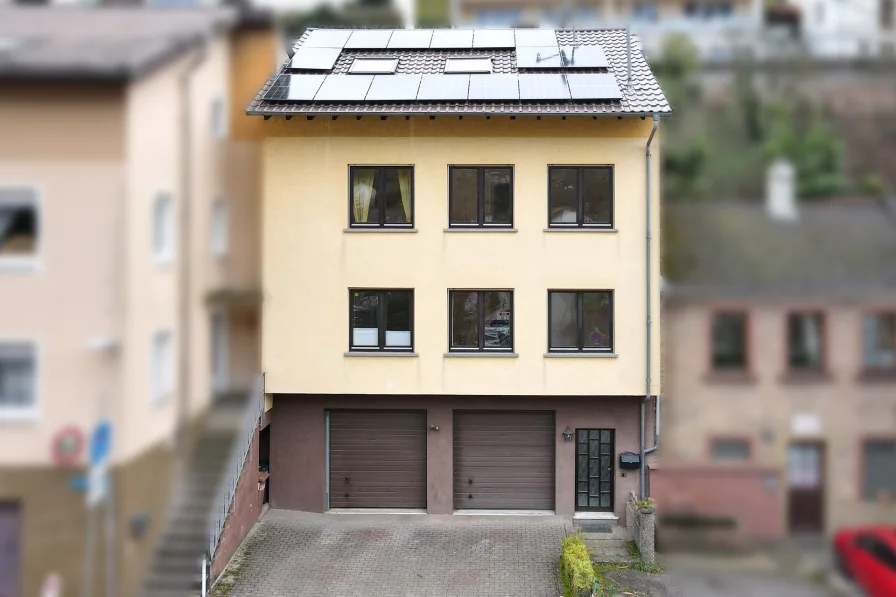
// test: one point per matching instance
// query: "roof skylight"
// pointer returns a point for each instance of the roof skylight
(374, 66)
(468, 65)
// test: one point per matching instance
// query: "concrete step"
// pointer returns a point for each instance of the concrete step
(610, 555)
(605, 543)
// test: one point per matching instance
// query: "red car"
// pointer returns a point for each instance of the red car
(867, 555)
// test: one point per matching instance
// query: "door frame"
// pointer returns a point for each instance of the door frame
(612, 475)
(821, 450)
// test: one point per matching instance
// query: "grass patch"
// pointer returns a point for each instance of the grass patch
(638, 562)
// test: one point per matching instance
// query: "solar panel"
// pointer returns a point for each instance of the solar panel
(443, 87)
(369, 39)
(410, 38)
(451, 38)
(372, 66)
(344, 88)
(536, 37)
(538, 57)
(327, 38)
(393, 88)
(593, 86)
(294, 87)
(493, 38)
(315, 58)
(543, 87)
(468, 65)
(585, 57)
(494, 87)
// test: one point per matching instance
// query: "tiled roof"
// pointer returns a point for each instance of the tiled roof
(642, 97)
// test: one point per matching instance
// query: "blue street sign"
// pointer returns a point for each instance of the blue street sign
(100, 442)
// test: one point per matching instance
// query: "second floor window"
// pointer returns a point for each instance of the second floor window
(805, 341)
(17, 378)
(580, 321)
(729, 341)
(481, 320)
(480, 196)
(18, 224)
(878, 468)
(163, 228)
(381, 320)
(580, 197)
(382, 197)
(879, 341)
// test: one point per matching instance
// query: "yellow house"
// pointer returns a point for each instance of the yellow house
(461, 303)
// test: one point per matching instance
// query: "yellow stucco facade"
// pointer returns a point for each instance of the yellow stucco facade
(310, 260)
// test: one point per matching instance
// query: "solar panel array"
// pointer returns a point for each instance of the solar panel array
(409, 88)
(373, 79)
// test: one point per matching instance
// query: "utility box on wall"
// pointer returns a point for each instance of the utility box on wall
(629, 461)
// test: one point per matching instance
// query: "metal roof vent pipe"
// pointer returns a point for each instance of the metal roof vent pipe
(780, 191)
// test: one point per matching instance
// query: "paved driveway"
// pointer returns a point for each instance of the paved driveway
(298, 554)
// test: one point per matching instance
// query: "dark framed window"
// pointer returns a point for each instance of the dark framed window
(580, 196)
(878, 468)
(381, 320)
(729, 450)
(381, 197)
(729, 340)
(580, 321)
(879, 341)
(480, 320)
(805, 341)
(480, 196)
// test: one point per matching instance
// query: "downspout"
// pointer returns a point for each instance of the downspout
(185, 246)
(647, 350)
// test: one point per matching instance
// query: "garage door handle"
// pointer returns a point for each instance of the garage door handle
(470, 496)
(347, 478)
(346, 495)
(470, 480)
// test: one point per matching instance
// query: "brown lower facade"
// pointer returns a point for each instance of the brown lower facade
(444, 454)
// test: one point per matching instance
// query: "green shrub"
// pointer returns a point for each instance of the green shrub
(872, 185)
(575, 565)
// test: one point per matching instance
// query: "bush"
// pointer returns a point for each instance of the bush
(575, 565)
(872, 185)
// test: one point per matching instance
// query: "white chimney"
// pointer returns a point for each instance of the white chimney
(780, 190)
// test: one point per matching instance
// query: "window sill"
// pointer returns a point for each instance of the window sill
(19, 415)
(730, 377)
(874, 376)
(483, 354)
(19, 265)
(805, 377)
(480, 229)
(379, 230)
(380, 354)
(581, 355)
(581, 229)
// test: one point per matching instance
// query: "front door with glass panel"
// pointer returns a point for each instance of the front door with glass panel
(594, 470)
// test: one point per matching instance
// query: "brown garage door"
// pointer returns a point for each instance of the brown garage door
(504, 460)
(377, 459)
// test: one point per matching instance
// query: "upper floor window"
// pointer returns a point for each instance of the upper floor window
(805, 341)
(645, 11)
(162, 366)
(580, 321)
(879, 341)
(219, 118)
(729, 340)
(163, 228)
(580, 196)
(879, 468)
(481, 320)
(382, 196)
(19, 226)
(220, 228)
(381, 320)
(480, 196)
(729, 449)
(18, 371)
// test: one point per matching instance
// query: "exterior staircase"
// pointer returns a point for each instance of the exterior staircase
(201, 497)
(607, 540)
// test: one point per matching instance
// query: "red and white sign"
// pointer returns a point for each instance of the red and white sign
(67, 446)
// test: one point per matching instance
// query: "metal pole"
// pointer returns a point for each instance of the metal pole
(110, 538)
(88, 554)
(204, 575)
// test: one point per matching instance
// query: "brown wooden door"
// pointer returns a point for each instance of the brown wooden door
(377, 459)
(805, 503)
(504, 460)
(10, 541)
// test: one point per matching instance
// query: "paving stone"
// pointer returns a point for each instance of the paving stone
(300, 554)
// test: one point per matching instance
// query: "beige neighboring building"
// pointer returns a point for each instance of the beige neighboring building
(128, 262)
(456, 273)
(779, 369)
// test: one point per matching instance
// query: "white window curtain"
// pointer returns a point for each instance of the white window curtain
(362, 194)
(404, 182)
(812, 339)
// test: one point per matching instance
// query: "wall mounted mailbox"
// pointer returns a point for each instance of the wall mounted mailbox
(629, 461)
